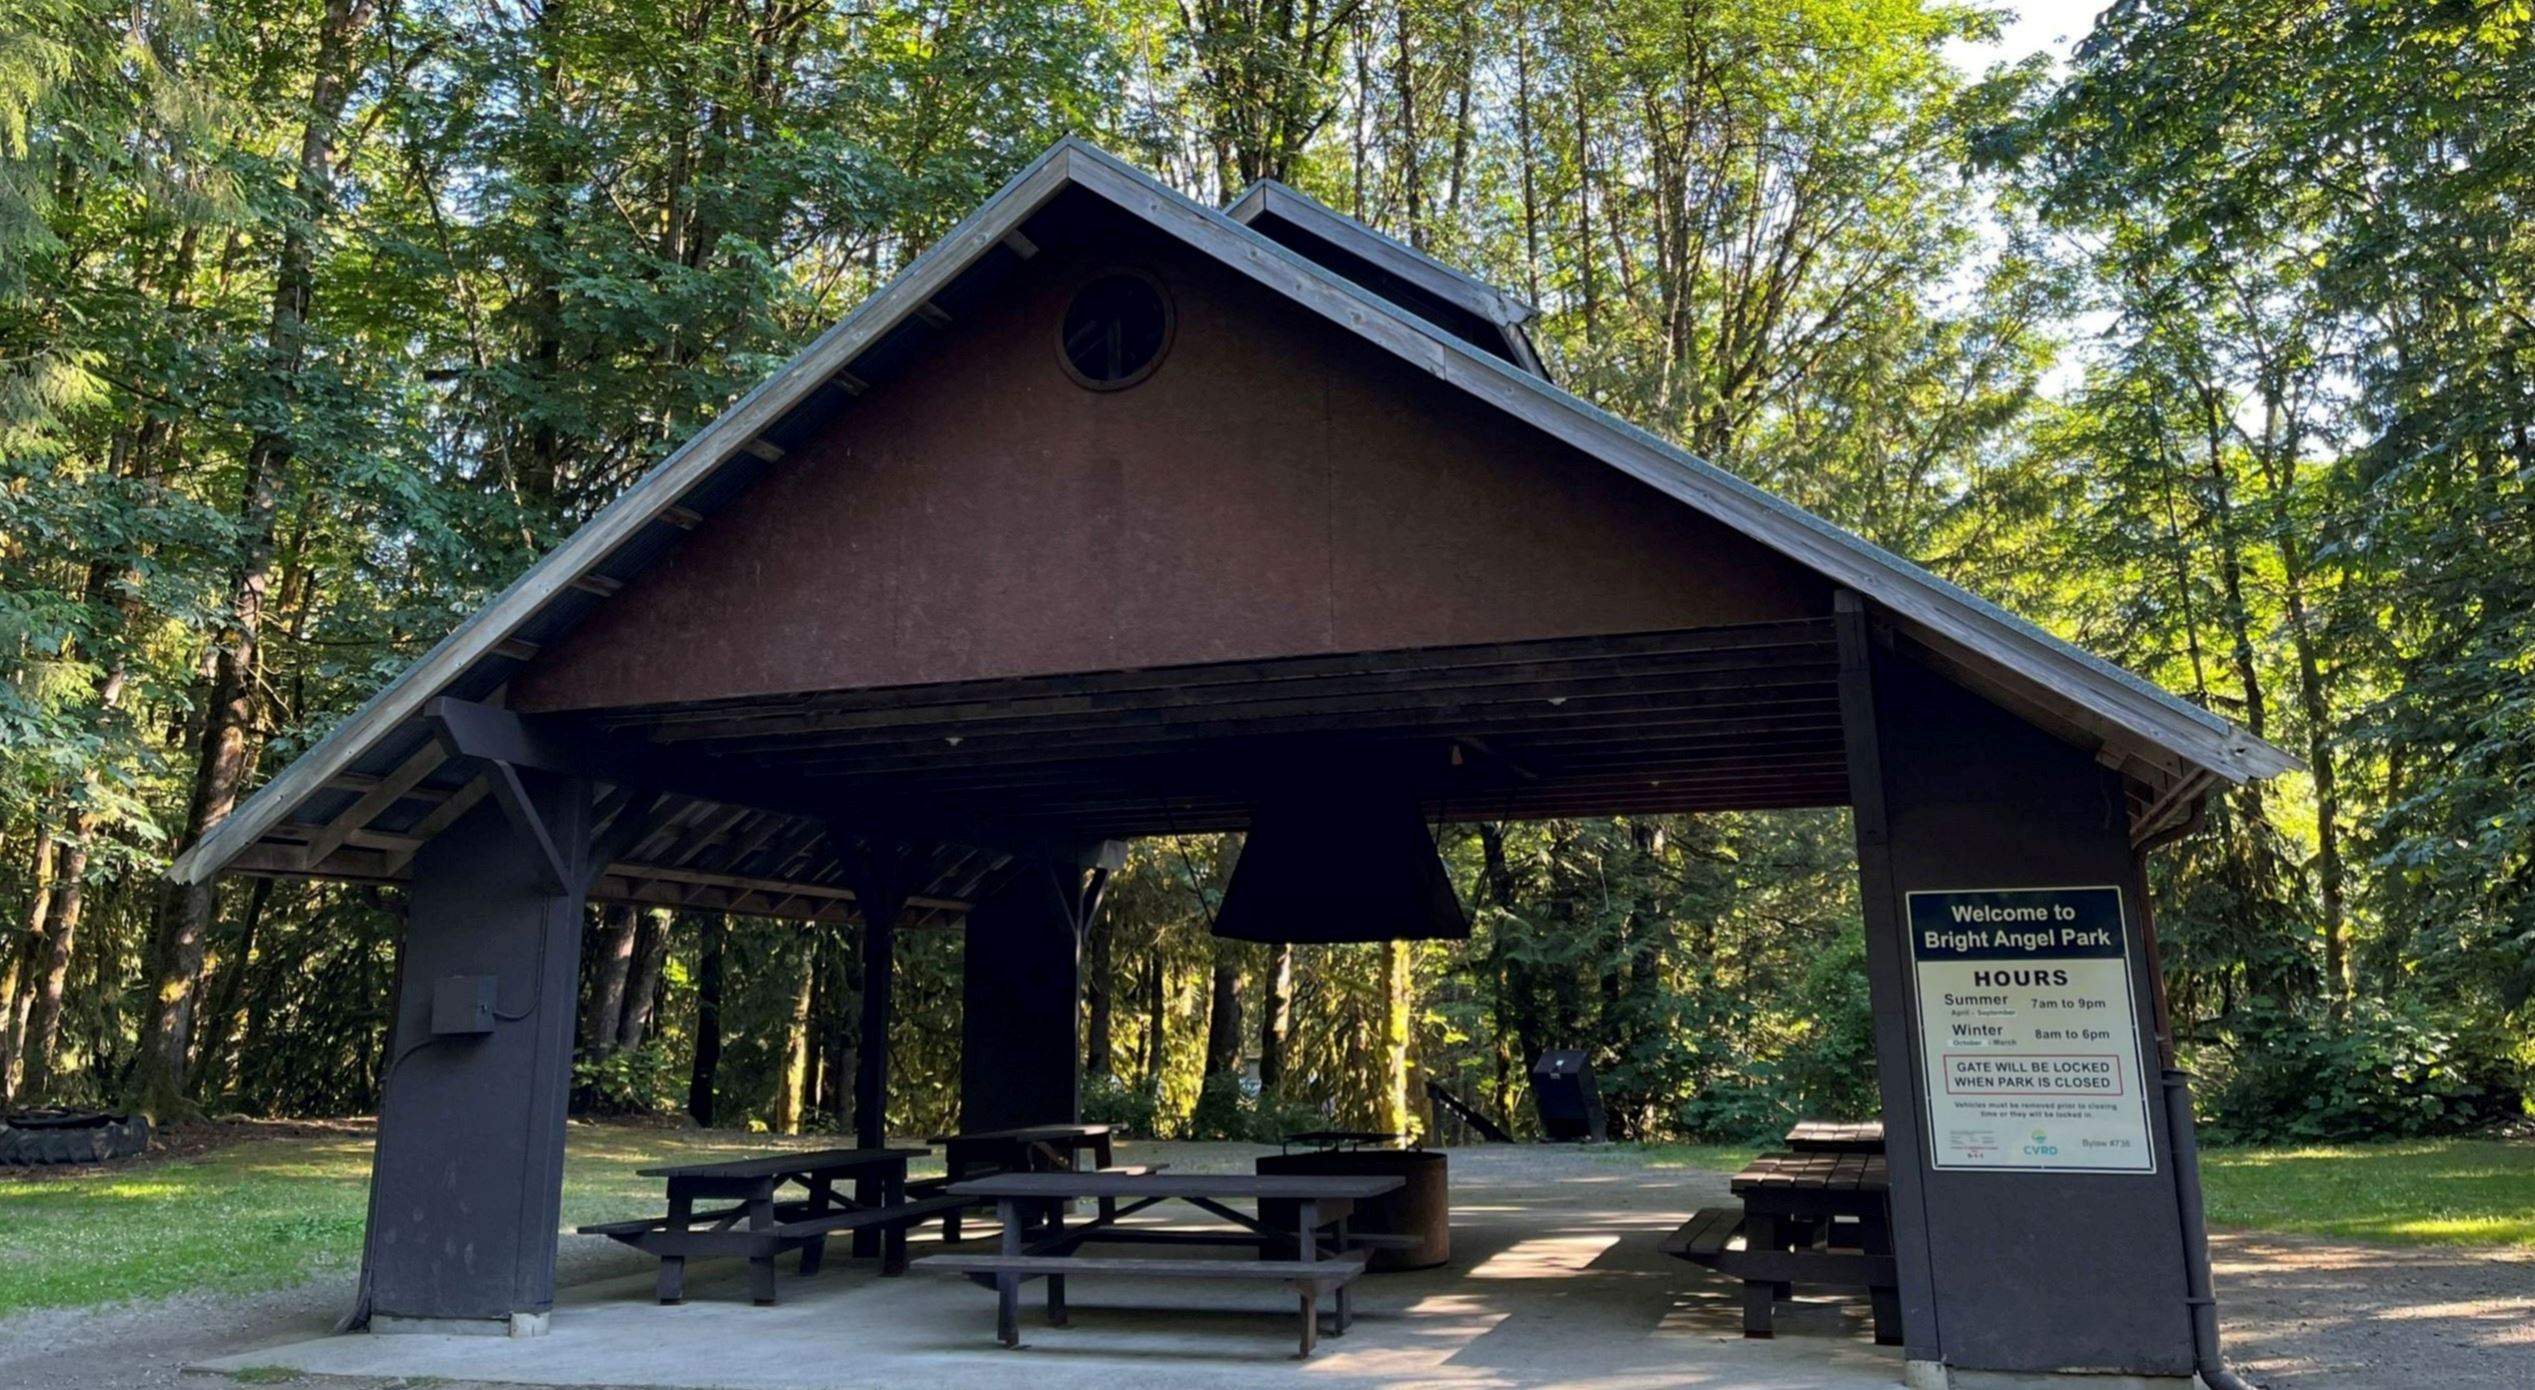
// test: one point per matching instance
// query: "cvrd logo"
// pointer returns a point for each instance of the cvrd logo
(2041, 1147)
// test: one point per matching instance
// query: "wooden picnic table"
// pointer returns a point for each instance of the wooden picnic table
(1322, 1204)
(1816, 1218)
(761, 1223)
(1055, 1148)
(1837, 1136)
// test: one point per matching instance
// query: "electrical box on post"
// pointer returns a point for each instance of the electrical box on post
(462, 1006)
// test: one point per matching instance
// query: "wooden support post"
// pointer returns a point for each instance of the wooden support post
(467, 1187)
(882, 877)
(1020, 996)
(1953, 792)
(1888, 985)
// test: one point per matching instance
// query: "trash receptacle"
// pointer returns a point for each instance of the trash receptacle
(1564, 1092)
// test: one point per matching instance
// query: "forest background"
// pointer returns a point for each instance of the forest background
(2204, 341)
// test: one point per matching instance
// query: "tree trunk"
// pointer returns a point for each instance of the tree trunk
(17, 986)
(229, 989)
(1276, 1014)
(1223, 1012)
(1099, 991)
(222, 757)
(844, 1043)
(1395, 1015)
(1156, 1011)
(1404, 83)
(791, 1098)
(611, 962)
(642, 977)
(52, 977)
(704, 1073)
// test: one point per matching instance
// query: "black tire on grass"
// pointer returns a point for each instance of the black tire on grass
(119, 1136)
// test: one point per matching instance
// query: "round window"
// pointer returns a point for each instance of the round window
(1116, 330)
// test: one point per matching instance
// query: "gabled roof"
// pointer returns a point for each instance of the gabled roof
(384, 749)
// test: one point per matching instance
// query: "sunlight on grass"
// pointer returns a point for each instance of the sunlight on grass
(1709, 1158)
(266, 1213)
(270, 1212)
(2421, 1192)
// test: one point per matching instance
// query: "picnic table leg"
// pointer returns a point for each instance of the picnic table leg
(1760, 1232)
(893, 1237)
(822, 1197)
(1007, 1284)
(1787, 1232)
(1056, 1282)
(955, 1169)
(672, 1285)
(1101, 1155)
(761, 1260)
(1307, 1247)
(1346, 1311)
(1874, 1236)
(866, 1194)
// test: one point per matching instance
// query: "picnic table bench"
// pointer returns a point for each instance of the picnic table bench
(1322, 1204)
(757, 1225)
(1806, 1218)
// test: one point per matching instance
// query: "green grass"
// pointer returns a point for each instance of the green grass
(2422, 1192)
(271, 1212)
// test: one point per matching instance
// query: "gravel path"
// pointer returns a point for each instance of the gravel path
(2300, 1314)
(2303, 1314)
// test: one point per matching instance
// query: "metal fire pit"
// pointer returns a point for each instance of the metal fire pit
(1422, 1208)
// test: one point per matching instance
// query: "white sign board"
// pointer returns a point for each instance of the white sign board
(2027, 1033)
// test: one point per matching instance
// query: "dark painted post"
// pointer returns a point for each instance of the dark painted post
(467, 1186)
(871, 1064)
(2022, 1267)
(881, 877)
(1888, 988)
(1019, 1002)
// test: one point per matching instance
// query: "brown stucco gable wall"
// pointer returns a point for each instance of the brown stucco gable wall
(1276, 488)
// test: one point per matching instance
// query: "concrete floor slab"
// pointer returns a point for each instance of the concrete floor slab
(1555, 1281)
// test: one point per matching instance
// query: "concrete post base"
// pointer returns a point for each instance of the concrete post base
(1936, 1375)
(516, 1325)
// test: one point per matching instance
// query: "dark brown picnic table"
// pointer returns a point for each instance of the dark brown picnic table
(1323, 1258)
(761, 1223)
(1799, 1210)
(1056, 1148)
(1837, 1136)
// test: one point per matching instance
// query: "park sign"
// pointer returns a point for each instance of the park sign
(2027, 1034)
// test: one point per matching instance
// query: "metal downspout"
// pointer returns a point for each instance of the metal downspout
(2199, 1294)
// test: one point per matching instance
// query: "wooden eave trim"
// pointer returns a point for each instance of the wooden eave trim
(1270, 198)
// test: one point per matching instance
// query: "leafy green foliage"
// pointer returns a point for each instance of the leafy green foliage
(644, 1080)
(2209, 350)
(1132, 1108)
(2375, 1072)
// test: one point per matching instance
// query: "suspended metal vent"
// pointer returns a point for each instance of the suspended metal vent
(1340, 864)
